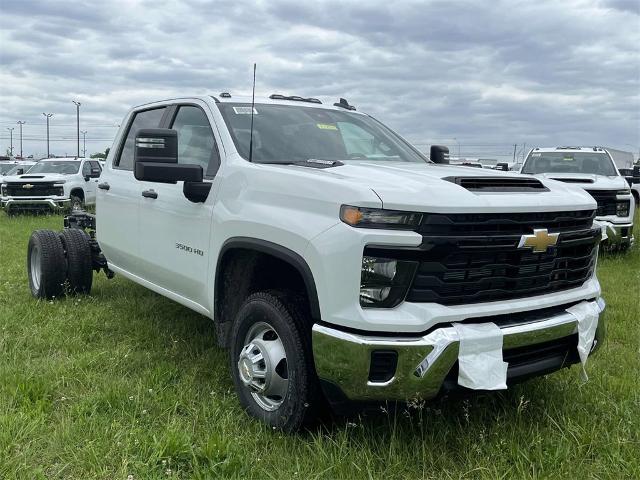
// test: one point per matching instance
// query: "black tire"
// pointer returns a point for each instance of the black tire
(79, 263)
(77, 203)
(46, 265)
(302, 399)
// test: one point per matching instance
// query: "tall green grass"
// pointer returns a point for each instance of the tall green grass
(127, 384)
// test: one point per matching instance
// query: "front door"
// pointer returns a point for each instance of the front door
(174, 232)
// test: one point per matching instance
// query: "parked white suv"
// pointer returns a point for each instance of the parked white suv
(52, 184)
(593, 169)
(335, 261)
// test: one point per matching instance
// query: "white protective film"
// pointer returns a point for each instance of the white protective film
(586, 313)
(480, 358)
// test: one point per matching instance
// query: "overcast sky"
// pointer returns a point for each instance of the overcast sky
(479, 76)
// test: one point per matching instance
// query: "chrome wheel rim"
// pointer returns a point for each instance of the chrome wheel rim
(262, 366)
(35, 267)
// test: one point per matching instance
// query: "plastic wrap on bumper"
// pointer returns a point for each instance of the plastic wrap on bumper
(343, 359)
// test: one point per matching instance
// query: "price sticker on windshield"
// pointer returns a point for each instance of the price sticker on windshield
(244, 110)
(326, 126)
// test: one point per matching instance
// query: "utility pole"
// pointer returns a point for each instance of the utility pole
(11, 147)
(515, 145)
(20, 122)
(77, 104)
(84, 143)
(48, 116)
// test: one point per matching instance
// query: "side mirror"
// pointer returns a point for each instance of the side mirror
(87, 178)
(502, 166)
(156, 158)
(20, 171)
(439, 154)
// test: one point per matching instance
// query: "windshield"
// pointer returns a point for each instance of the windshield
(14, 170)
(569, 162)
(290, 133)
(5, 167)
(68, 167)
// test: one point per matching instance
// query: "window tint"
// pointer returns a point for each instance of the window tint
(145, 119)
(196, 143)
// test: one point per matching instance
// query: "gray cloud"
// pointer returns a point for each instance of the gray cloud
(481, 75)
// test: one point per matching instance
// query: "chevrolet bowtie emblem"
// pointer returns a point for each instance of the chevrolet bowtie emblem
(539, 241)
(27, 186)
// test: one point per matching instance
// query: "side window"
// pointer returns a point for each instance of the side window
(196, 143)
(86, 169)
(144, 119)
(96, 169)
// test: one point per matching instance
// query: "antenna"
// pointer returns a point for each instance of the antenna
(253, 100)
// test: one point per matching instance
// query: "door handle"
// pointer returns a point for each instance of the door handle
(150, 194)
(104, 186)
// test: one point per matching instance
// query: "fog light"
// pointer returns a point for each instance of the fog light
(384, 281)
(622, 209)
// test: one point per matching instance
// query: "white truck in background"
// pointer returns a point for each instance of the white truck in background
(52, 184)
(593, 169)
(337, 263)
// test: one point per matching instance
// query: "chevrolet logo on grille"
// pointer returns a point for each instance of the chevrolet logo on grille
(539, 241)
(27, 186)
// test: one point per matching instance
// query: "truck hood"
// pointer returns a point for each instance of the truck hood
(419, 187)
(588, 181)
(36, 177)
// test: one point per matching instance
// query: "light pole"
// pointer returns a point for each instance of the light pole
(11, 147)
(77, 104)
(20, 122)
(84, 143)
(48, 116)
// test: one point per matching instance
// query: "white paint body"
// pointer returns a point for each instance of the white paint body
(297, 208)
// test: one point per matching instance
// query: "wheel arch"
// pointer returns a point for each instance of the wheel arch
(78, 191)
(261, 247)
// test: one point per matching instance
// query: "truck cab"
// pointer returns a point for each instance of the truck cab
(592, 169)
(337, 263)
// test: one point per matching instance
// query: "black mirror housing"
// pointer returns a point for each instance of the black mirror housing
(439, 154)
(156, 158)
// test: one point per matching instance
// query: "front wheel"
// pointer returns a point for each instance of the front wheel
(77, 204)
(272, 363)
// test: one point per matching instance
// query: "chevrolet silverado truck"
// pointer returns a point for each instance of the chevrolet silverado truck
(53, 184)
(593, 169)
(338, 263)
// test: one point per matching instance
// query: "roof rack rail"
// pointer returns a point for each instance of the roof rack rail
(295, 98)
(568, 148)
(344, 104)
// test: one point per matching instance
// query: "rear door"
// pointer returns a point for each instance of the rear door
(118, 196)
(175, 232)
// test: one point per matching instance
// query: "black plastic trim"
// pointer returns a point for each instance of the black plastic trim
(283, 253)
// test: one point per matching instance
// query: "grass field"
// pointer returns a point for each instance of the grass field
(127, 384)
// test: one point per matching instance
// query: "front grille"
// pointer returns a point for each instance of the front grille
(39, 189)
(606, 201)
(474, 258)
(498, 184)
(473, 224)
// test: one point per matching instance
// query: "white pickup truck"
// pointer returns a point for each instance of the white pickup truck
(51, 184)
(335, 260)
(593, 169)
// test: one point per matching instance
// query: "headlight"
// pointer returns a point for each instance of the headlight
(384, 281)
(60, 182)
(2, 189)
(379, 218)
(622, 209)
(623, 192)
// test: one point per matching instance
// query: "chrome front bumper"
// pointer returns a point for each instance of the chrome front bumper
(618, 233)
(344, 359)
(25, 203)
